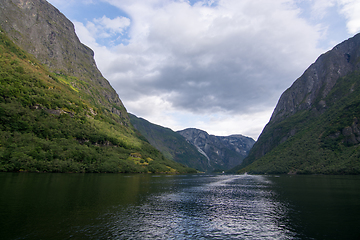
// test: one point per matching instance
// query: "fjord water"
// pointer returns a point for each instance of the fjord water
(145, 206)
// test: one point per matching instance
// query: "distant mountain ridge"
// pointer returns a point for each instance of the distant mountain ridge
(195, 148)
(314, 127)
(222, 152)
(57, 112)
(171, 144)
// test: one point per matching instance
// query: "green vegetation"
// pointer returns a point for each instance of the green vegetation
(171, 144)
(48, 124)
(314, 141)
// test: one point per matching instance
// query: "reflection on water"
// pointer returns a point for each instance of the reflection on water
(323, 207)
(214, 207)
(115, 206)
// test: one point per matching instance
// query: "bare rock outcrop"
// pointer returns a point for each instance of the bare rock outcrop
(42, 30)
(222, 152)
(318, 80)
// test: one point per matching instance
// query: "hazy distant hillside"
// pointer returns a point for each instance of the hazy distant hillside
(171, 144)
(315, 125)
(222, 153)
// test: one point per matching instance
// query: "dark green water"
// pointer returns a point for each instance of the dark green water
(115, 206)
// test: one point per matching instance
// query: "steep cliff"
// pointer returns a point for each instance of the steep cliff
(318, 80)
(57, 113)
(309, 131)
(41, 30)
(222, 152)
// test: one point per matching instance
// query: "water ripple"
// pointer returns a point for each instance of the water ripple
(213, 207)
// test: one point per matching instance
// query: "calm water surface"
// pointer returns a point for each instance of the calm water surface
(116, 206)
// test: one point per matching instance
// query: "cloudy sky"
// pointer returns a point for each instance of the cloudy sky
(216, 65)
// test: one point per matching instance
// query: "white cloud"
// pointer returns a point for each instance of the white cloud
(107, 27)
(102, 28)
(220, 124)
(217, 65)
(246, 124)
(235, 57)
(69, 3)
(319, 7)
(86, 35)
(351, 10)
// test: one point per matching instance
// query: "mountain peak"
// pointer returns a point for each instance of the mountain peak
(314, 127)
(57, 112)
(42, 30)
(318, 80)
(223, 152)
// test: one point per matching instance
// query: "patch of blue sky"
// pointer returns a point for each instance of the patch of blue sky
(210, 3)
(91, 10)
(96, 10)
(336, 30)
(115, 40)
(330, 22)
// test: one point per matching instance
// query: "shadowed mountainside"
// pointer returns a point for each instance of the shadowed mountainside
(222, 152)
(315, 125)
(171, 144)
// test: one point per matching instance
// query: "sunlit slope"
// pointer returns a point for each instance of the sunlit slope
(43, 31)
(49, 124)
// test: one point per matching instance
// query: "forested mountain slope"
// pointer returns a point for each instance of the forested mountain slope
(172, 144)
(195, 148)
(57, 113)
(315, 125)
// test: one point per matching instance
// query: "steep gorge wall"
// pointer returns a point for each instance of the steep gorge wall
(318, 80)
(42, 30)
(307, 95)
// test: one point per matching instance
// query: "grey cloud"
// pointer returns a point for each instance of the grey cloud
(233, 81)
(210, 89)
(234, 61)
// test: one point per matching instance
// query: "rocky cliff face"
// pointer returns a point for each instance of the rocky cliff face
(221, 152)
(57, 113)
(318, 80)
(318, 114)
(171, 144)
(40, 29)
(311, 89)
